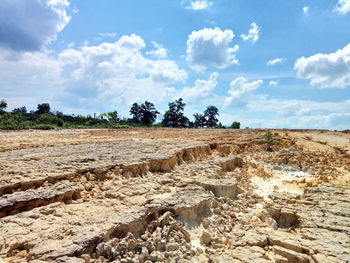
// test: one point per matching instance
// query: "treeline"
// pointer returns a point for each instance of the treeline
(142, 115)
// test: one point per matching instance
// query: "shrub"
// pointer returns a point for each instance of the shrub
(47, 119)
(268, 141)
(219, 126)
(60, 122)
(235, 125)
(10, 121)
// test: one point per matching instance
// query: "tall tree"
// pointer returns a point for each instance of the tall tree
(211, 114)
(135, 111)
(148, 113)
(174, 117)
(3, 105)
(199, 120)
(43, 108)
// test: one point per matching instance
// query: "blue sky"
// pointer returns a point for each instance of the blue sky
(275, 63)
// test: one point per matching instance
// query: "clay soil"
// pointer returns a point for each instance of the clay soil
(168, 195)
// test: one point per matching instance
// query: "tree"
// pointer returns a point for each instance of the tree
(199, 120)
(148, 113)
(3, 105)
(43, 108)
(113, 116)
(135, 111)
(236, 125)
(174, 117)
(211, 114)
(20, 110)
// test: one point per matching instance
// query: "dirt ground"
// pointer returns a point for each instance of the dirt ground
(174, 195)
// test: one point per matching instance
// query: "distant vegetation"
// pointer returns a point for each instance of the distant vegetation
(142, 115)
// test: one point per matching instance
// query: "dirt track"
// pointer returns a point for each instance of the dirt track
(167, 195)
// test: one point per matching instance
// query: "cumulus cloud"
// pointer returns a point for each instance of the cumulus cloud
(29, 25)
(253, 33)
(326, 70)
(202, 89)
(90, 77)
(306, 9)
(343, 7)
(241, 91)
(211, 48)
(199, 5)
(159, 51)
(275, 61)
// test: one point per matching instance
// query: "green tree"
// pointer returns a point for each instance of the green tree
(174, 117)
(3, 105)
(135, 111)
(22, 110)
(210, 115)
(113, 116)
(199, 120)
(43, 108)
(235, 125)
(148, 113)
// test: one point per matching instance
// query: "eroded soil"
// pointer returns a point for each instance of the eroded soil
(165, 195)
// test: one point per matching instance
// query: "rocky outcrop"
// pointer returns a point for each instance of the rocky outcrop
(18, 202)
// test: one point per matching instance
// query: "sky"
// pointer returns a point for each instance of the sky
(268, 64)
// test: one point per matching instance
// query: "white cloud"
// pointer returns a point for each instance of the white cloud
(211, 48)
(326, 70)
(253, 33)
(199, 5)
(241, 92)
(202, 89)
(306, 9)
(275, 61)
(31, 24)
(302, 113)
(159, 52)
(343, 7)
(273, 83)
(89, 78)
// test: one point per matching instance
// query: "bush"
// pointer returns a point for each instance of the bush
(235, 125)
(219, 126)
(60, 122)
(268, 141)
(50, 119)
(9, 121)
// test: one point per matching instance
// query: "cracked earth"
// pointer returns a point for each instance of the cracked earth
(166, 195)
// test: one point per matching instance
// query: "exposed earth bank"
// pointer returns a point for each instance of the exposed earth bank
(166, 195)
